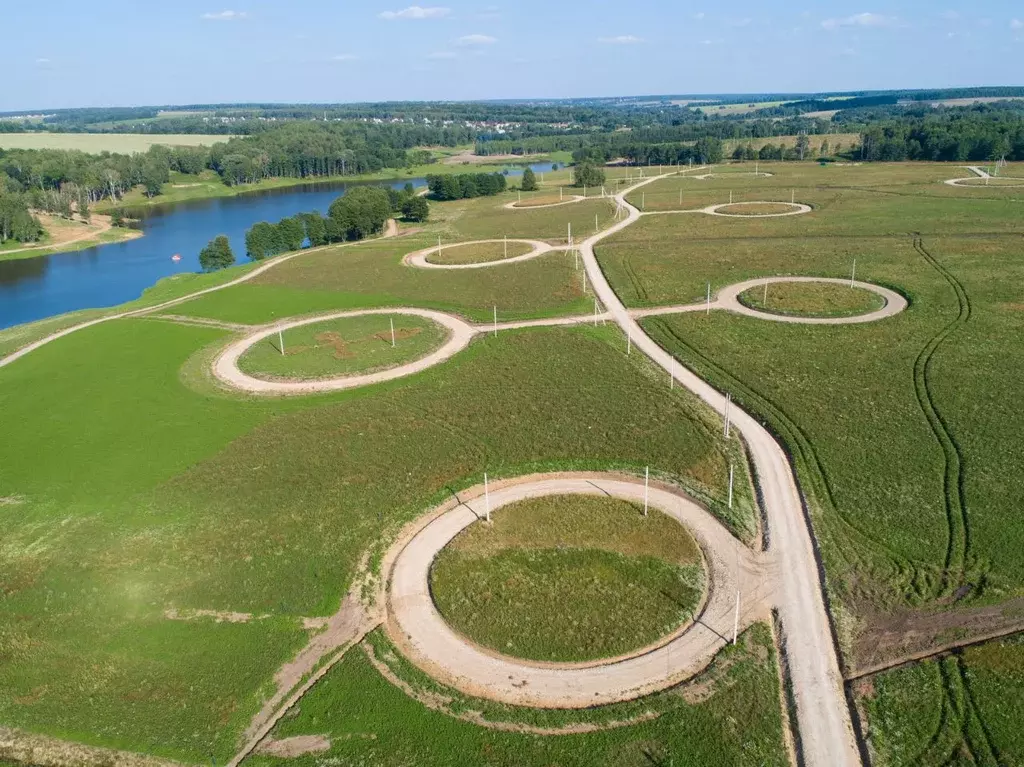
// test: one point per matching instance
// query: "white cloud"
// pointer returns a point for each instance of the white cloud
(225, 16)
(344, 57)
(42, 61)
(477, 40)
(443, 55)
(859, 20)
(621, 40)
(1017, 24)
(950, 15)
(416, 12)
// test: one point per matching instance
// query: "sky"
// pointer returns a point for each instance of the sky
(126, 52)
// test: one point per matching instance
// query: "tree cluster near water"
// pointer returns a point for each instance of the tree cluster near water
(462, 186)
(217, 254)
(362, 212)
(16, 221)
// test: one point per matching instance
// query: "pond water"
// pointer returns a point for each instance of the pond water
(43, 286)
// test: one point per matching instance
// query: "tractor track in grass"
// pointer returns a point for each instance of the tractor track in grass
(958, 545)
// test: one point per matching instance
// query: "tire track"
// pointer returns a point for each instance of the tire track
(959, 540)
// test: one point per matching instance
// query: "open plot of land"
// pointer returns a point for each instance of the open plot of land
(174, 499)
(905, 513)
(486, 218)
(478, 253)
(730, 715)
(341, 347)
(569, 578)
(965, 706)
(811, 300)
(373, 275)
(94, 143)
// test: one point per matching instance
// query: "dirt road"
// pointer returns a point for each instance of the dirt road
(823, 718)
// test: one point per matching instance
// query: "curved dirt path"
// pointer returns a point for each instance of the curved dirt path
(822, 715)
(757, 174)
(226, 370)
(514, 205)
(728, 299)
(390, 231)
(982, 173)
(419, 258)
(425, 637)
(798, 209)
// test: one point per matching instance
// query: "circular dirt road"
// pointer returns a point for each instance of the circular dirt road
(728, 299)
(798, 209)
(569, 200)
(419, 258)
(226, 370)
(422, 634)
(758, 174)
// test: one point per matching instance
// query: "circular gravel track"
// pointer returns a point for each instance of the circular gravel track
(798, 209)
(226, 370)
(728, 299)
(419, 258)
(422, 634)
(569, 200)
(758, 174)
(979, 183)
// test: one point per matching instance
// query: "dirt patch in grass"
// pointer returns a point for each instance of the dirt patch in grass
(300, 745)
(41, 751)
(888, 639)
(811, 299)
(11, 500)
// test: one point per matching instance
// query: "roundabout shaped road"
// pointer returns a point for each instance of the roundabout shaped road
(421, 633)
(569, 200)
(226, 370)
(757, 174)
(798, 208)
(420, 258)
(728, 299)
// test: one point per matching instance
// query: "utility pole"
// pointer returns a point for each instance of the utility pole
(392, 332)
(709, 300)
(853, 274)
(280, 340)
(730, 484)
(736, 619)
(647, 482)
(495, 321)
(487, 502)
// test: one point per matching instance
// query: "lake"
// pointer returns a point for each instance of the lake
(43, 286)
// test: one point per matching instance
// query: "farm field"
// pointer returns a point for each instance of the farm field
(729, 715)
(95, 143)
(187, 541)
(895, 532)
(569, 578)
(196, 516)
(479, 253)
(373, 275)
(967, 703)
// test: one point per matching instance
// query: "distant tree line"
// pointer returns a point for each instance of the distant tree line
(463, 185)
(977, 135)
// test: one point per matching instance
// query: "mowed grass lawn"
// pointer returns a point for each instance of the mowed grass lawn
(373, 275)
(736, 721)
(569, 578)
(95, 143)
(127, 494)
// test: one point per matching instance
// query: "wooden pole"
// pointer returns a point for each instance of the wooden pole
(647, 482)
(730, 484)
(392, 332)
(487, 498)
(495, 321)
(280, 340)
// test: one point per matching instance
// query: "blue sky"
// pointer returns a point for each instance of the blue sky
(121, 52)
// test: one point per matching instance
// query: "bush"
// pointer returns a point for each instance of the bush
(416, 209)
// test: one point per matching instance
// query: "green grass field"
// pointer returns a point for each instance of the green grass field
(569, 578)
(95, 143)
(808, 299)
(343, 347)
(963, 709)
(167, 497)
(478, 253)
(373, 275)
(735, 719)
